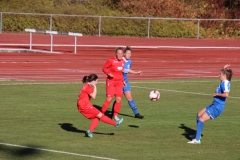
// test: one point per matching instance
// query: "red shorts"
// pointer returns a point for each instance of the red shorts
(89, 111)
(114, 88)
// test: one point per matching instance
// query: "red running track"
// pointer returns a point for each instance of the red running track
(160, 63)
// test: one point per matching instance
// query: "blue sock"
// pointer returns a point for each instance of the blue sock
(200, 126)
(133, 106)
(197, 118)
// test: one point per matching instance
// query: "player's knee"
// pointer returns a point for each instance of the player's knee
(129, 98)
(99, 115)
(109, 98)
(118, 99)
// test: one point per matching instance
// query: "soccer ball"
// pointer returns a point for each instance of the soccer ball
(154, 95)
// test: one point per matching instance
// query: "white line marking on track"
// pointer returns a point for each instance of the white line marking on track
(114, 46)
(49, 150)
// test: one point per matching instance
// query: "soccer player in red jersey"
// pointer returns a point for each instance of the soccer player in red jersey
(88, 91)
(113, 68)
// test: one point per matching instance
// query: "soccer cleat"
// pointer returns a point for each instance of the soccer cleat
(89, 134)
(138, 116)
(194, 141)
(119, 122)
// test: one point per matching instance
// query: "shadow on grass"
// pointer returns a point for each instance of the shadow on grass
(133, 126)
(70, 128)
(110, 113)
(188, 131)
(21, 151)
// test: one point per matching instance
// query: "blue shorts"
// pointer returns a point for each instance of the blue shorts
(127, 87)
(214, 110)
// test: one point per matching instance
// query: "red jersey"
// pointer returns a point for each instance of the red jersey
(84, 96)
(115, 67)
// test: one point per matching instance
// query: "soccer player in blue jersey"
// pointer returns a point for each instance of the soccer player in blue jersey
(127, 89)
(216, 108)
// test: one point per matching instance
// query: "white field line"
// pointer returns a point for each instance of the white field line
(49, 150)
(133, 82)
(167, 90)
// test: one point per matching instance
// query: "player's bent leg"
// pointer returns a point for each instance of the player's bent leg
(200, 126)
(201, 112)
(94, 124)
(107, 120)
(117, 108)
(105, 106)
(128, 95)
(132, 104)
(205, 117)
(113, 109)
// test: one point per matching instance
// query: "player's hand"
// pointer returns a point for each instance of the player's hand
(226, 66)
(139, 72)
(91, 84)
(124, 84)
(110, 75)
(214, 94)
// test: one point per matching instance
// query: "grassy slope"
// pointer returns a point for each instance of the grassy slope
(122, 27)
(91, 7)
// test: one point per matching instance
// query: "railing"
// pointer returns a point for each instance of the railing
(51, 33)
(144, 23)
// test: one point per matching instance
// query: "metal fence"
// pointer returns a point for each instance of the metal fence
(116, 26)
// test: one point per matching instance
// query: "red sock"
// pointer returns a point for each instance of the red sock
(94, 124)
(107, 120)
(117, 108)
(105, 106)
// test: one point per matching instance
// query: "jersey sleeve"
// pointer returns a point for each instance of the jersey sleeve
(87, 89)
(225, 86)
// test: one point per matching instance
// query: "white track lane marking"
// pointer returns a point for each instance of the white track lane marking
(133, 82)
(49, 150)
(114, 46)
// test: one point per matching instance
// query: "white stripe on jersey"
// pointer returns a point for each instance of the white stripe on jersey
(226, 88)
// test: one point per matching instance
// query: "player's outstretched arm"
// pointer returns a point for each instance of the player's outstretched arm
(225, 94)
(135, 72)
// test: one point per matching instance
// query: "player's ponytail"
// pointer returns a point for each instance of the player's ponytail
(128, 48)
(90, 78)
(84, 80)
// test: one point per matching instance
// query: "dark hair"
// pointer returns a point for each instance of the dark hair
(128, 48)
(228, 73)
(118, 48)
(90, 78)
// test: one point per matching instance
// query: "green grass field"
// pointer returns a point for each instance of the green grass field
(42, 120)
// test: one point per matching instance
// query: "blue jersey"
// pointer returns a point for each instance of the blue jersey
(126, 69)
(224, 86)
